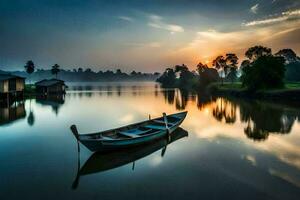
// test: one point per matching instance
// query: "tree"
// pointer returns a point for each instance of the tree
(288, 54)
(29, 67)
(255, 52)
(133, 73)
(231, 62)
(118, 72)
(207, 75)
(266, 72)
(185, 76)
(168, 78)
(220, 64)
(80, 70)
(55, 70)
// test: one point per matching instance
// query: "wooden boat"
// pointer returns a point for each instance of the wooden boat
(99, 161)
(130, 135)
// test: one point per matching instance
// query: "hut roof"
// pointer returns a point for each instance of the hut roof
(49, 82)
(9, 76)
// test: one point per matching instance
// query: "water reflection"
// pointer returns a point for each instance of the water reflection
(55, 101)
(260, 118)
(11, 112)
(99, 162)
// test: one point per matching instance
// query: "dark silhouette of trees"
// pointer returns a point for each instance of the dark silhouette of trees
(55, 70)
(168, 78)
(220, 64)
(29, 67)
(231, 62)
(185, 76)
(255, 52)
(265, 72)
(288, 54)
(292, 63)
(207, 75)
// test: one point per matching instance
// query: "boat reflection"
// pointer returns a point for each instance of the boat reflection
(99, 161)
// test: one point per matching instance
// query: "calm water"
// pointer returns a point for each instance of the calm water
(227, 148)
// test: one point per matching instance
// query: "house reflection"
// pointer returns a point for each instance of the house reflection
(55, 101)
(9, 113)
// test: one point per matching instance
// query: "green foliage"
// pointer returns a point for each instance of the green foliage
(264, 73)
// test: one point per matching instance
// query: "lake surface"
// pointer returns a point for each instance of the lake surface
(226, 149)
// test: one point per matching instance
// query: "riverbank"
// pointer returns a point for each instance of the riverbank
(291, 91)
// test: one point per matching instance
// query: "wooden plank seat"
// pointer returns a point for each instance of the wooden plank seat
(156, 127)
(133, 133)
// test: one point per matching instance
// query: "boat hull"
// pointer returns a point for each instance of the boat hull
(107, 145)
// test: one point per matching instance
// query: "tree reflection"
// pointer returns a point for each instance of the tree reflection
(225, 110)
(263, 118)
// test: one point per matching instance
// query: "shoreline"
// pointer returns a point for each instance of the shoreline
(284, 94)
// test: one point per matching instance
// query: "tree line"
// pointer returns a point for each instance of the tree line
(260, 70)
(80, 74)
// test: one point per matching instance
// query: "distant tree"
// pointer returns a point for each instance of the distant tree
(168, 78)
(29, 67)
(231, 62)
(55, 70)
(288, 54)
(88, 70)
(220, 64)
(255, 52)
(265, 72)
(207, 75)
(133, 73)
(80, 70)
(119, 72)
(185, 76)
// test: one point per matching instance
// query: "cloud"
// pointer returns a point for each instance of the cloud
(157, 22)
(206, 45)
(254, 8)
(126, 18)
(150, 44)
(288, 15)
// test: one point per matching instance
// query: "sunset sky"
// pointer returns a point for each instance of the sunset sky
(144, 35)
